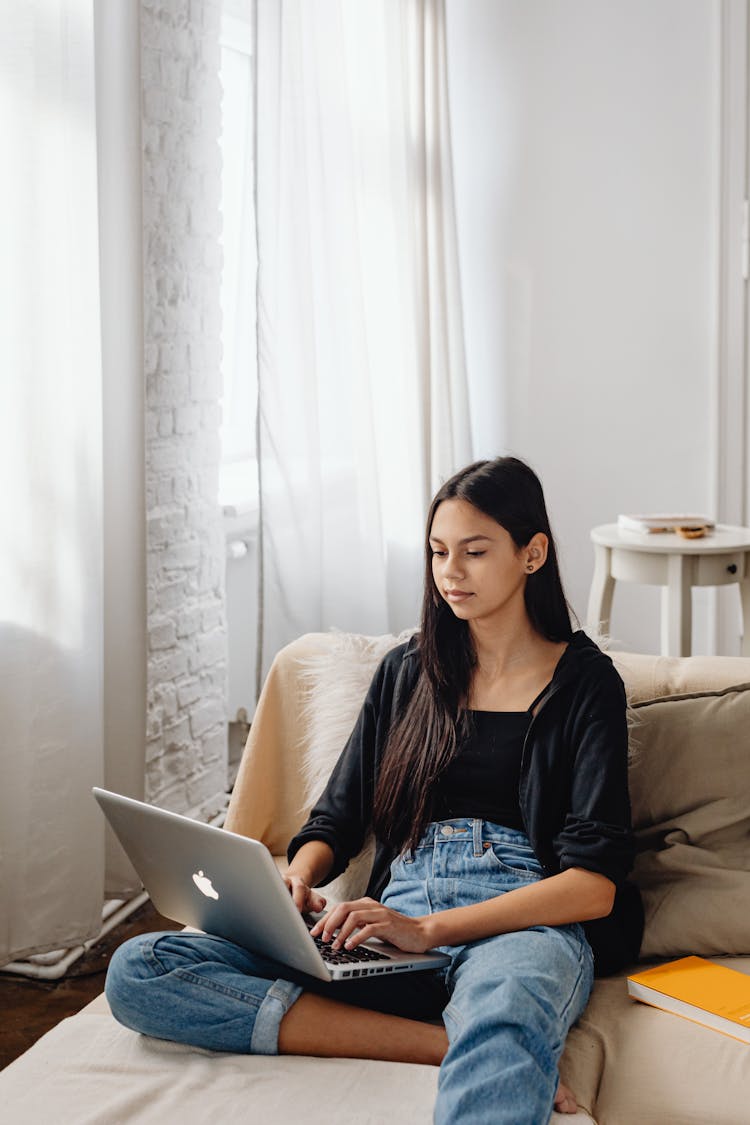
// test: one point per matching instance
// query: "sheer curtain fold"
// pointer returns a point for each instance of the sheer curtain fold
(363, 406)
(51, 834)
(437, 289)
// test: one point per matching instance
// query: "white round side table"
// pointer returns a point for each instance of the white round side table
(666, 559)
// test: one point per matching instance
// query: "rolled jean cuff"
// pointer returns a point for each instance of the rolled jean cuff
(275, 1005)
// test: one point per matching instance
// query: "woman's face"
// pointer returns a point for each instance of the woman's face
(476, 566)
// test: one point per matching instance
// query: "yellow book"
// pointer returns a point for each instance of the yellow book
(699, 990)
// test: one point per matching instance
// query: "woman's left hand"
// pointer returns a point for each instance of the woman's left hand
(366, 918)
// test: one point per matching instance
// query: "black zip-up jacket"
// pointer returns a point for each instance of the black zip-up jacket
(573, 789)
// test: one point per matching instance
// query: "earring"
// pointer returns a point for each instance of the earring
(530, 568)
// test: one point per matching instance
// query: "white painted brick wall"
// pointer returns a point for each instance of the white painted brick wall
(186, 766)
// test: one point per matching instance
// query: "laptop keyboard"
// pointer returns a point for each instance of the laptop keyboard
(346, 956)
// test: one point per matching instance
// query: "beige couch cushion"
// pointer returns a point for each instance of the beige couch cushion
(268, 798)
(690, 791)
(652, 677)
(91, 1071)
(629, 1062)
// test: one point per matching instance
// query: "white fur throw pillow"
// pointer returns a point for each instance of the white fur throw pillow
(337, 681)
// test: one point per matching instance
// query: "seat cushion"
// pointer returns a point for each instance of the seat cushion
(92, 1071)
(632, 1063)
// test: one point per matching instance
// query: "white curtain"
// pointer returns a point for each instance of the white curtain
(363, 405)
(51, 833)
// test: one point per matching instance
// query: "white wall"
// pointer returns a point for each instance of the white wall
(186, 748)
(586, 154)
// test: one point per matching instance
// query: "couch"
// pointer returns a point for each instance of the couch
(628, 1064)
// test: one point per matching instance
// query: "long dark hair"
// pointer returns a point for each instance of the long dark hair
(424, 738)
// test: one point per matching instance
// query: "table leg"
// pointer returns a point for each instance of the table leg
(677, 607)
(601, 593)
(745, 600)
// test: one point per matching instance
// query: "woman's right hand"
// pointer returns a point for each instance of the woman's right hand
(306, 898)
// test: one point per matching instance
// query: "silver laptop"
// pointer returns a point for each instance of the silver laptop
(229, 885)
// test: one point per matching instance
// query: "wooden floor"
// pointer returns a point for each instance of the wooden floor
(31, 1007)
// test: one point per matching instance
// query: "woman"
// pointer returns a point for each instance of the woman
(490, 759)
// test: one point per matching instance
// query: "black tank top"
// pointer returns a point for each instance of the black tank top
(483, 779)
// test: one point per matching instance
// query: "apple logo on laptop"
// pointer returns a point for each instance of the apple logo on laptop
(204, 885)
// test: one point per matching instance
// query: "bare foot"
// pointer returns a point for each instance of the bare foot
(565, 1100)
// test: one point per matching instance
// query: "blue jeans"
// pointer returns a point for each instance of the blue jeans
(507, 1001)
